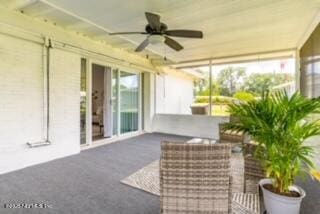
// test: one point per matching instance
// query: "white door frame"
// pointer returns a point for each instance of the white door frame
(118, 135)
(107, 105)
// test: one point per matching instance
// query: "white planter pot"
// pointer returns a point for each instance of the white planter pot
(279, 204)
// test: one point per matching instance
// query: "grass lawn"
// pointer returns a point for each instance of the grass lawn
(220, 110)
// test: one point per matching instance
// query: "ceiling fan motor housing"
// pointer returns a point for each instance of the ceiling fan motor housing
(163, 28)
(158, 33)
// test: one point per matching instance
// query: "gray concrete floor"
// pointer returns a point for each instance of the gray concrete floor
(89, 183)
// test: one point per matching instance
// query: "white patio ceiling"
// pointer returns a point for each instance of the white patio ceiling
(231, 27)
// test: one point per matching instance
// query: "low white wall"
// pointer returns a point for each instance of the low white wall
(188, 125)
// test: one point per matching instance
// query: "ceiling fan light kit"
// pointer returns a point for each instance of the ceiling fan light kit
(158, 33)
(156, 39)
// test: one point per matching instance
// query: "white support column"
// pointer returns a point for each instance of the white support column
(140, 102)
(210, 87)
(297, 69)
(149, 101)
(118, 103)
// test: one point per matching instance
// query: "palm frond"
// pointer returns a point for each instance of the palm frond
(278, 122)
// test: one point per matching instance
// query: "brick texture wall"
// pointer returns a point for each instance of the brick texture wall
(22, 104)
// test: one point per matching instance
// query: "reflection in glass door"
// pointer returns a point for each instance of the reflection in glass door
(114, 100)
(129, 101)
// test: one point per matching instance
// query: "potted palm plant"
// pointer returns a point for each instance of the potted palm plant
(279, 124)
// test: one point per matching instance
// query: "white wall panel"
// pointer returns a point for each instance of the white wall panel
(188, 125)
(22, 104)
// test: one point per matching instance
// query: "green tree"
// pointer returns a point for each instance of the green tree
(257, 83)
(202, 87)
(231, 79)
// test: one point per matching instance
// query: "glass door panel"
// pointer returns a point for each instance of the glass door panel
(129, 101)
(83, 101)
(114, 100)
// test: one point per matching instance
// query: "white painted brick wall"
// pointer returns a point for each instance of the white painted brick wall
(65, 101)
(21, 104)
(174, 94)
(21, 94)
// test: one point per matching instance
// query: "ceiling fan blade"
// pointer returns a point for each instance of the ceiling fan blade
(122, 33)
(185, 33)
(143, 45)
(154, 21)
(173, 44)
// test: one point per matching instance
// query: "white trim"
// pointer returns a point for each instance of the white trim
(232, 58)
(118, 135)
(89, 104)
(107, 106)
(309, 30)
(138, 73)
(115, 65)
(297, 70)
(100, 56)
(118, 102)
(210, 87)
(140, 101)
(113, 139)
(19, 33)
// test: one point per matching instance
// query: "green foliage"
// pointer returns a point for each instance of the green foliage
(202, 99)
(277, 122)
(258, 83)
(230, 80)
(215, 99)
(244, 96)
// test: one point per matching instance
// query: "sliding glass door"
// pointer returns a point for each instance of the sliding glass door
(114, 100)
(129, 102)
(118, 93)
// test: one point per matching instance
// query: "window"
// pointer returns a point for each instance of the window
(190, 93)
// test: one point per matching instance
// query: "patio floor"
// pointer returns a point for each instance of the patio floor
(90, 181)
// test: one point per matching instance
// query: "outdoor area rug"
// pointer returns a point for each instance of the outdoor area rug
(147, 178)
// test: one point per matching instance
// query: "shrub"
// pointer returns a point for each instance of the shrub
(202, 99)
(244, 96)
(215, 99)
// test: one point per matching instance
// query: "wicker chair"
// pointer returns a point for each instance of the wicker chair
(195, 178)
(229, 135)
(253, 171)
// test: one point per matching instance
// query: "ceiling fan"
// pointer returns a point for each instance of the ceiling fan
(158, 32)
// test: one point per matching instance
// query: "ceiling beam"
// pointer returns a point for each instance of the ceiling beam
(309, 30)
(235, 56)
(236, 61)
